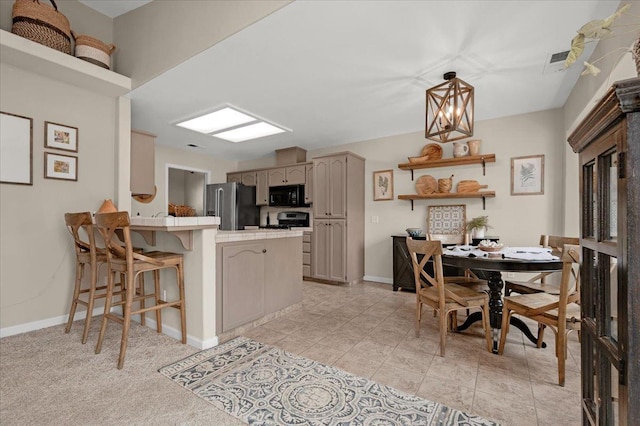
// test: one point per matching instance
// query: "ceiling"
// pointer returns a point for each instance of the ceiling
(344, 71)
(113, 8)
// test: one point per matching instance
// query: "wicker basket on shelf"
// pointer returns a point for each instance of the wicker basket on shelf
(42, 23)
(181, 210)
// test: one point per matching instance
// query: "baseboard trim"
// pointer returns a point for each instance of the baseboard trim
(383, 280)
(62, 319)
(49, 322)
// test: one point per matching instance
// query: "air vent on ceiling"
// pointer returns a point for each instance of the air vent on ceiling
(555, 62)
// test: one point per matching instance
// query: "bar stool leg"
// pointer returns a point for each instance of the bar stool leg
(90, 302)
(183, 314)
(107, 309)
(156, 282)
(131, 290)
(76, 295)
(143, 315)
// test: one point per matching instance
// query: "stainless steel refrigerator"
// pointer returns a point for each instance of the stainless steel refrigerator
(234, 203)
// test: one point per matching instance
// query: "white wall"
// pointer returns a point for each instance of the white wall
(527, 134)
(37, 261)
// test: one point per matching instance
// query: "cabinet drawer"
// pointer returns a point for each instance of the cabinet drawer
(306, 258)
(306, 247)
(306, 270)
(306, 238)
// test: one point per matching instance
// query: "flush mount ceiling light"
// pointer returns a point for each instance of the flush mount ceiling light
(449, 115)
(232, 125)
(251, 131)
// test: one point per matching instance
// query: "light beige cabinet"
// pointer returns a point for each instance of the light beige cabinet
(249, 178)
(308, 186)
(330, 187)
(291, 175)
(262, 188)
(306, 254)
(142, 163)
(242, 283)
(256, 278)
(234, 177)
(338, 210)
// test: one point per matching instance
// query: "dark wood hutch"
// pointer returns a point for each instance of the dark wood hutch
(608, 144)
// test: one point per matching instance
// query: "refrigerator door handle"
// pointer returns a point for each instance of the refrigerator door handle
(219, 194)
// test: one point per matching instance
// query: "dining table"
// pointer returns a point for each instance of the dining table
(490, 266)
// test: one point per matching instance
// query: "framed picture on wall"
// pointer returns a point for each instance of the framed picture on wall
(16, 149)
(59, 136)
(64, 167)
(383, 185)
(527, 175)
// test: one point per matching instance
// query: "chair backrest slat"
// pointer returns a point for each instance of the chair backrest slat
(570, 283)
(77, 221)
(429, 250)
(108, 224)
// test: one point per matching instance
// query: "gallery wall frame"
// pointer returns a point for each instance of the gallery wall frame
(383, 185)
(60, 136)
(527, 175)
(61, 167)
(16, 149)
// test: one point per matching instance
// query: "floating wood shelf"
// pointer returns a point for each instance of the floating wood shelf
(483, 194)
(445, 162)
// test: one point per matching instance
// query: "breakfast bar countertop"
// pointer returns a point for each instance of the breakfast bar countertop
(257, 234)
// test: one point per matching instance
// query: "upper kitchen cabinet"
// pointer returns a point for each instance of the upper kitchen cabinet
(249, 178)
(234, 177)
(142, 163)
(308, 186)
(291, 175)
(262, 188)
(330, 184)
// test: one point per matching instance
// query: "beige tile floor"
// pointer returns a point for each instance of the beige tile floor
(368, 330)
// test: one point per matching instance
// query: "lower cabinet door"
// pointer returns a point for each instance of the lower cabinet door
(242, 284)
(337, 250)
(320, 250)
(283, 273)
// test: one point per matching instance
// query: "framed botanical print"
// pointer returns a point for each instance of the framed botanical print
(527, 175)
(383, 185)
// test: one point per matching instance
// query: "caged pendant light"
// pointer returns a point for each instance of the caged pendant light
(449, 110)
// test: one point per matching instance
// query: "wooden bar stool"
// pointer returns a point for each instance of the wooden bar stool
(87, 254)
(132, 265)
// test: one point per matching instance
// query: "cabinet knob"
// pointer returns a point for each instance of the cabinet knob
(264, 250)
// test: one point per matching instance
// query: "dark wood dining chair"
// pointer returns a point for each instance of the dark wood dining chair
(560, 312)
(88, 255)
(444, 298)
(131, 266)
(540, 283)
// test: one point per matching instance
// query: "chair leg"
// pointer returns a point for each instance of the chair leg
(156, 284)
(107, 308)
(506, 314)
(418, 315)
(90, 302)
(561, 354)
(443, 331)
(76, 295)
(540, 340)
(183, 311)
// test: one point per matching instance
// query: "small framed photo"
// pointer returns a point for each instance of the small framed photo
(16, 149)
(64, 167)
(59, 136)
(383, 185)
(527, 175)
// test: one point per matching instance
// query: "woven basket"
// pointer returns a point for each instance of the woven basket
(181, 211)
(42, 23)
(93, 50)
(445, 184)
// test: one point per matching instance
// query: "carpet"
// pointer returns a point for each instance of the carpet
(264, 385)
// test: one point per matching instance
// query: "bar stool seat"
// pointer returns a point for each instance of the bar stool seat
(131, 266)
(87, 255)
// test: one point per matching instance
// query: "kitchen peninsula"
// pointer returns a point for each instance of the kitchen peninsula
(233, 279)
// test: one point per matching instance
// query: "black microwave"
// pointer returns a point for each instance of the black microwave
(287, 196)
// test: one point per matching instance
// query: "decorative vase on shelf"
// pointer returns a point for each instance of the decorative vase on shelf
(460, 149)
(478, 232)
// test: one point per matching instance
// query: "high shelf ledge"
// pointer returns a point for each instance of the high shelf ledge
(483, 194)
(445, 162)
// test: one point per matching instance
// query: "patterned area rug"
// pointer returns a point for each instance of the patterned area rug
(262, 384)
